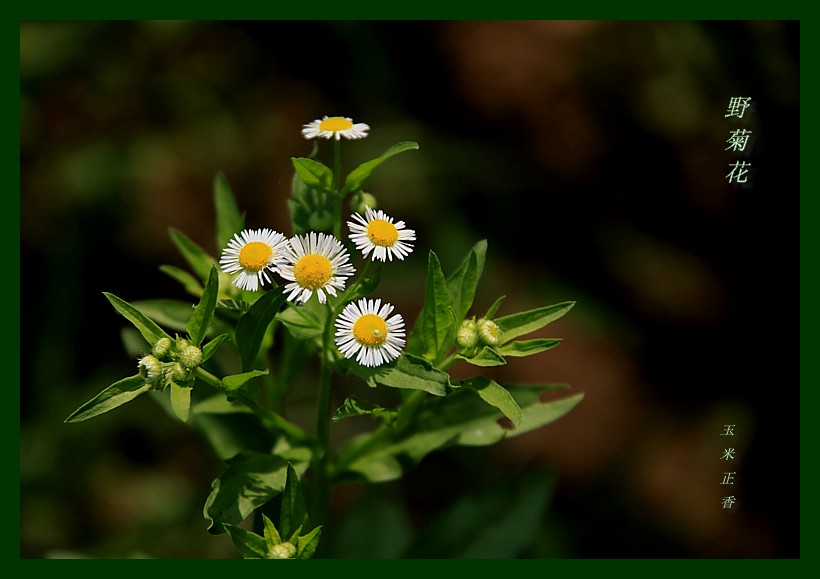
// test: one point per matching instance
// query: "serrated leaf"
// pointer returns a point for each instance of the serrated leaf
(313, 174)
(236, 381)
(147, 327)
(359, 177)
(352, 406)
(462, 418)
(463, 282)
(204, 311)
(485, 357)
(229, 220)
(406, 372)
(250, 545)
(528, 347)
(189, 282)
(252, 326)
(181, 400)
(115, 395)
(250, 480)
(496, 395)
(525, 322)
(197, 258)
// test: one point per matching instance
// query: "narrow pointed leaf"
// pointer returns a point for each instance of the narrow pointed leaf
(236, 381)
(494, 308)
(306, 544)
(272, 536)
(294, 512)
(463, 282)
(437, 320)
(147, 327)
(250, 545)
(352, 406)
(115, 395)
(229, 220)
(525, 322)
(204, 310)
(197, 258)
(528, 347)
(407, 372)
(210, 348)
(252, 326)
(360, 176)
(485, 357)
(189, 282)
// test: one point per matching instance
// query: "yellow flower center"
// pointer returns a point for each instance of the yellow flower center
(335, 124)
(370, 330)
(382, 232)
(313, 271)
(255, 256)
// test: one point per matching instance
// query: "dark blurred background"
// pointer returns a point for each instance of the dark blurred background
(592, 157)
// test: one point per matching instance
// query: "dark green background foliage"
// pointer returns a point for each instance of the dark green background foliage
(590, 155)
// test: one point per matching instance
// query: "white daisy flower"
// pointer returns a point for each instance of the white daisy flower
(376, 232)
(252, 253)
(337, 127)
(316, 262)
(364, 330)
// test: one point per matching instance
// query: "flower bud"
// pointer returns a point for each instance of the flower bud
(489, 332)
(178, 372)
(150, 369)
(361, 201)
(286, 550)
(467, 335)
(162, 347)
(189, 356)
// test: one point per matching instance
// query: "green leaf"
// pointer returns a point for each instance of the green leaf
(496, 395)
(463, 282)
(189, 282)
(485, 357)
(528, 347)
(461, 418)
(305, 321)
(172, 314)
(229, 220)
(493, 308)
(314, 174)
(180, 401)
(294, 512)
(194, 255)
(204, 311)
(115, 395)
(210, 348)
(407, 372)
(236, 381)
(437, 320)
(272, 536)
(250, 545)
(352, 406)
(250, 480)
(360, 176)
(252, 326)
(147, 327)
(525, 322)
(306, 544)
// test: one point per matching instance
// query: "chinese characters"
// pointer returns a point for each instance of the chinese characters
(738, 141)
(728, 475)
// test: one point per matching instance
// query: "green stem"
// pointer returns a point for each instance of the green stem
(337, 187)
(322, 502)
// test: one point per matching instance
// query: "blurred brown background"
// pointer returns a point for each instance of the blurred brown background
(590, 154)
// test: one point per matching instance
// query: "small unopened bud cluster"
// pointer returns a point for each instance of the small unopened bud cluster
(472, 335)
(170, 361)
(286, 550)
(361, 201)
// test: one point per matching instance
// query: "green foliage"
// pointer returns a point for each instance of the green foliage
(236, 355)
